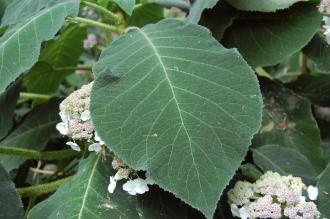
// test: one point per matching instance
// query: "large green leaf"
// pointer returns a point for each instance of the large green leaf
(86, 195)
(318, 50)
(11, 206)
(20, 45)
(268, 38)
(126, 5)
(289, 122)
(314, 87)
(197, 8)
(323, 185)
(262, 5)
(33, 133)
(8, 102)
(285, 161)
(47, 74)
(184, 108)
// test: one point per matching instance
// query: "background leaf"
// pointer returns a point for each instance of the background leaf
(20, 45)
(145, 14)
(11, 206)
(197, 8)
(289, 122)
(126, 5)
(318, 50)
(33, 133)
(86, 195)
(184, 108)
(324, 190)
(285, 161)
(268, 38)
(314, 87)
(262, 5)
(8, 101)
(47, 74)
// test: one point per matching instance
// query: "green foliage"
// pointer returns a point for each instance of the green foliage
(55, 60)
(268, 38)
(197, 9)
(20, 45)
(289, 122)
(285, 161)
(144, 14)
(262, 5)
(324, 189)
(11, 206)
(8, 101)
(126, 5)
(33, 133)
(177, 113)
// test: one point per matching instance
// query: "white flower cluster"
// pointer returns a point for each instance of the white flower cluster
(273, 196)
(132, 186)
(326, 27)
(76, 121)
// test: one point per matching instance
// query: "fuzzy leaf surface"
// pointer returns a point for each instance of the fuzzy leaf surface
(183, 108)
(20, 45)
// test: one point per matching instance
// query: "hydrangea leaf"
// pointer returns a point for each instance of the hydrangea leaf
(268, 38)
(183, 108)
(285, 161)
(11, 206)
(145, 14)
(33, 133)
(262, 5)
(288, 121)
(87, 196)
(323, 185)
(8, 101)
(314, 87)
(197, 8)
(126, 5)
(318, 50)
(20, 45)
(47, 74)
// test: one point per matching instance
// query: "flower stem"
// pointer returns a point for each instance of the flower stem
(33, 191)
(90, 22)
(33, 154)
(34, 96)
(113, 17)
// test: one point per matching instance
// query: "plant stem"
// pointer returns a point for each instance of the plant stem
(303, 63)
(31, 203)
(34, 96)
(33, 191)
(73, 68)
(32, 154)
(113, 17)
(90, 22)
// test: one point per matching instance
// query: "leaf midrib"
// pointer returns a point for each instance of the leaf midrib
(88, 186)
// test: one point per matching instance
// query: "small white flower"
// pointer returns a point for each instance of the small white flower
(243, 213)
(112, 184)
(312, 192)
(63, 128)
(73, 145)
(85, 116)
(98, 139)
(64, 118)
(136, 186)
(234, 210)
(95, 147)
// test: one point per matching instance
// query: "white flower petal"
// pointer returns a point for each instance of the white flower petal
(136, 186)
(73, 145)
(234, 210)
(95, 147)
(64, 118)
(98, 139)
(243, 213)
(85, 116)
(62, 127)
(112, 184)
(313, 192)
